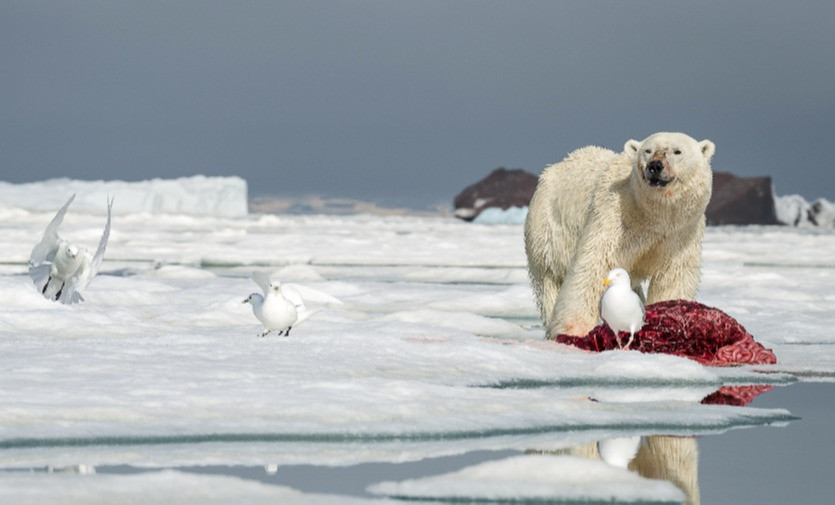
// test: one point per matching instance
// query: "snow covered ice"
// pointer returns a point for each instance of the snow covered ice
(436, 349)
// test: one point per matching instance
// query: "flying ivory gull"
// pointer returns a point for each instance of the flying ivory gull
(60, 269)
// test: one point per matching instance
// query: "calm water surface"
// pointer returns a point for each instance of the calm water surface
(790, 464)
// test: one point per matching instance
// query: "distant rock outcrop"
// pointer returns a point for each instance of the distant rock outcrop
(741, 200)
(501, 189)
(735, 201)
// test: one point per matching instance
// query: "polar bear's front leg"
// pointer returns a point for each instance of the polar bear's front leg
(576, 311)
(679, 277)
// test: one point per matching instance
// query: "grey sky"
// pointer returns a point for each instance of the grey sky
(408, 102)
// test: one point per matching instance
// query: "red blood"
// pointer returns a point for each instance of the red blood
(684, 328)
(738, 396)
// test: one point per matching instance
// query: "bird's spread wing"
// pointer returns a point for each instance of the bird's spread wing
(263, 281)
(46, 247)
(40, 274)
(291, 292)
(89, 266)
(298, 295)
(309, 294)
(304, 315)
(105, 236)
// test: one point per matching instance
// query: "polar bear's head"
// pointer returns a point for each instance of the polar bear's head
(669, 158)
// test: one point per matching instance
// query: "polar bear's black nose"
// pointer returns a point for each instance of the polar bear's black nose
(655, 167)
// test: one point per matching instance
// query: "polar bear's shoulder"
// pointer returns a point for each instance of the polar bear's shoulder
(589, 159)
(590, 155)
(590, 151)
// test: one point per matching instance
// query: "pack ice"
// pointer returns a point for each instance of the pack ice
(436, 350)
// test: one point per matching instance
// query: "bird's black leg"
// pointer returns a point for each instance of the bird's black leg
(287, 333)
(43, 291)
(58, 294)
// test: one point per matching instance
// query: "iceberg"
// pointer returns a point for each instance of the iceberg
(195, 196)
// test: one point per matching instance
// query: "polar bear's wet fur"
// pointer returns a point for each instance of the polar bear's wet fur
(642, 210)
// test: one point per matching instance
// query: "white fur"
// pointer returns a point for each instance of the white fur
(595, 210)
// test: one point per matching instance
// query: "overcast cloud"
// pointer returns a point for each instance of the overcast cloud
(408, 102)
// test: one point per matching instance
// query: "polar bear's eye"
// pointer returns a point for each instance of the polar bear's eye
(677, 151)
(647, 151)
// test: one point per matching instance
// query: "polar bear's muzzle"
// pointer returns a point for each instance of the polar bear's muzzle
(656, 174)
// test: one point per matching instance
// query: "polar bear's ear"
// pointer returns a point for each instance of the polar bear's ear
(631, 148)
(708, 148)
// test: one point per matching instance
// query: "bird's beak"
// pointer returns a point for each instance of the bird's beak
(607, 281)
(245, 301)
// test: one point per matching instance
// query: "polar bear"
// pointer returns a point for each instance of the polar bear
(642, 210)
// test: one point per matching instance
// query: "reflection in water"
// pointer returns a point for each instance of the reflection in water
(738, 396)
(671, 458)
(675, 459)
(619, 451)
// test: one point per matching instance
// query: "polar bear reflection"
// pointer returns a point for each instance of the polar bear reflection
(675, 459)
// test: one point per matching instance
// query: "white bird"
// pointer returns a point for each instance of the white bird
(282, 305)
(60, 269)
(621, 307)
(619, 451)
(278, 308)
